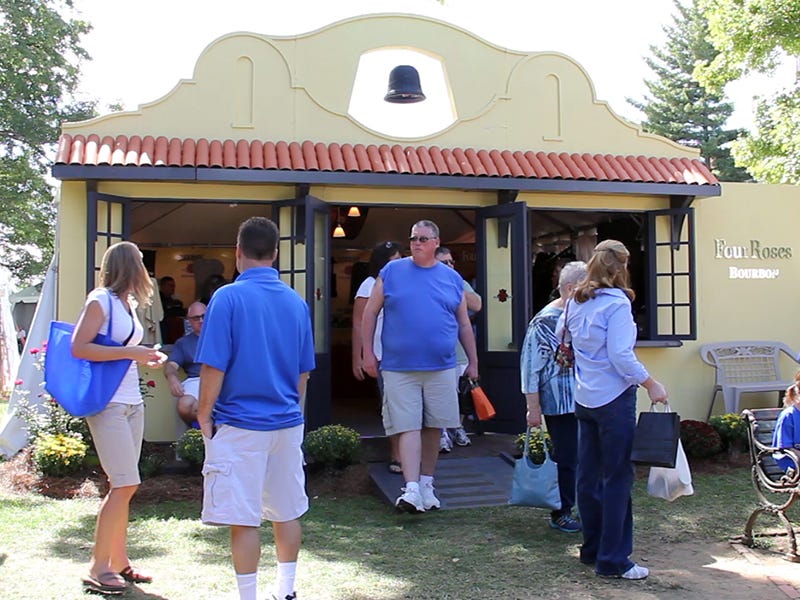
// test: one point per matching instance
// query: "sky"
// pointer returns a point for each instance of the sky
(141, 49)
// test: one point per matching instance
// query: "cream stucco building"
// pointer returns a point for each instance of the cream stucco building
(530, 167)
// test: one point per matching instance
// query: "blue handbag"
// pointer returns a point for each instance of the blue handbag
(532, 484)
(82, 387)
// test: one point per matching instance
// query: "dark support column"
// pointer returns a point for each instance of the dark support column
(678, 219)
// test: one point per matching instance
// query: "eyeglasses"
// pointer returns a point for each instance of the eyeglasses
(197, 318)
(421, 238)
(450, 262)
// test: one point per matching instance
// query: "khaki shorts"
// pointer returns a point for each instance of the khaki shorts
(416, 399)
(249, 476)
(117, 433)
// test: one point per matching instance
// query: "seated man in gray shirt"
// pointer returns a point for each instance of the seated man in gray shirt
(182, 357)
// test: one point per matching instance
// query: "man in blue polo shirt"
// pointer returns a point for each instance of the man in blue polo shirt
(256, 348)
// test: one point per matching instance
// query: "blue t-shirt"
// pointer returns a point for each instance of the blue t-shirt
(786, 434)
(258, 331)
(420, 328)
(183, 352)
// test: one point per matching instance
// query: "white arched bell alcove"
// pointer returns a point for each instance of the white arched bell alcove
(367, 106)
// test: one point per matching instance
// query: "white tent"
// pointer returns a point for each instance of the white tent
(13, 435)
(9, 353)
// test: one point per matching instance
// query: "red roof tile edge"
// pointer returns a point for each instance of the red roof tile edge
(139, 151)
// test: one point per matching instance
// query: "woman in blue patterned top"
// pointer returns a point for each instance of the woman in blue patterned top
(549, 390)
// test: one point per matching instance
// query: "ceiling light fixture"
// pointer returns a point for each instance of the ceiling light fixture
(338, 231)
(353, 212)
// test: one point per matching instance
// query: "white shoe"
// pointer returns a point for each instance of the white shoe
(636, 572)
(429, 499)
(410, 501)
(460, 437)
(445, 443)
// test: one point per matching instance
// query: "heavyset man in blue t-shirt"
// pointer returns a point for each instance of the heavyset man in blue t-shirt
(256, 350)
(424, 314)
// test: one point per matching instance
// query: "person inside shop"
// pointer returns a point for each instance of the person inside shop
(382, 253)
(186, 392)
(458, 435)
(174, 312)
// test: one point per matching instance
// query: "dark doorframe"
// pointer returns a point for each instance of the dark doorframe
(504, 283)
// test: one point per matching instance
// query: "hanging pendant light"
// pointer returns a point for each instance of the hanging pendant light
(354, 212)
(338, 231)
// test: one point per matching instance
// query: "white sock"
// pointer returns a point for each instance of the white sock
(285, 583)
(426, 480)
(412, 485)
(248, 586)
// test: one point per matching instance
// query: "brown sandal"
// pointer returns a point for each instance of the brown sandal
(105, 583)
(131, 575)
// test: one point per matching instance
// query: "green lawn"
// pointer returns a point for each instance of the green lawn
(357, 548)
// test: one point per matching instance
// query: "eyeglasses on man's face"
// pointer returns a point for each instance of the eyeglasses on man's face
(196, 318)
(421, 238)
(450, 262)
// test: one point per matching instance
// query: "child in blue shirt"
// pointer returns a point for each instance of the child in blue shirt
(787, 429)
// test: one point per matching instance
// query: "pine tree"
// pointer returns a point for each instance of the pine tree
(678, 106)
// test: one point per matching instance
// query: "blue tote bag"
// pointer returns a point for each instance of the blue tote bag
(532, 484)
(82, 387)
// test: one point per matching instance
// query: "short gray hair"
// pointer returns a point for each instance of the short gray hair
(571, 273)
(430, 225)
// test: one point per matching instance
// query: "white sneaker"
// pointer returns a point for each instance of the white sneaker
(636, 572)
(445, 443)
(429, 499)
(410, 501)
(460, 437)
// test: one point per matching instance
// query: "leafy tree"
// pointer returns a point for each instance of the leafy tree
(753, 36)
(678, 106)
(40, 54)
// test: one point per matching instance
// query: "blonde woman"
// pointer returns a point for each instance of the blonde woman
(118, 429)
(600, 322)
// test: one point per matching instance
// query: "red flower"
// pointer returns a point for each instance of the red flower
(151, 383)
(34, 351)
(18, 382)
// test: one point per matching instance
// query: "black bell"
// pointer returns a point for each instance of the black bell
(404, 86)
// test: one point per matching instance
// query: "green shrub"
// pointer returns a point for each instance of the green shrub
(536, 450)
(190, 447)
(332, 446)
(699, 439)
(151, 465)
(58, 454)
(732, 429)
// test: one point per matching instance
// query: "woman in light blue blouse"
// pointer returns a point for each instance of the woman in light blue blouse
(607, 373)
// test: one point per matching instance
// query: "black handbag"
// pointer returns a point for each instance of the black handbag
(465, 404)
(655, 442)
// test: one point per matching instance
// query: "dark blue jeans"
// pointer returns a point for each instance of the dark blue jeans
(564, 433)
(605, 482)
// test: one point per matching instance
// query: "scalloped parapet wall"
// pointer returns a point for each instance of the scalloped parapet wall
(249, 86)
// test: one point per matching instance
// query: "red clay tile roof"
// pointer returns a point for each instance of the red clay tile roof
(420, 160)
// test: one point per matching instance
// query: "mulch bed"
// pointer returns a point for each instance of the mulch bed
(18, 475)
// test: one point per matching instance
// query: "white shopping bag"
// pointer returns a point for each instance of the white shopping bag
(671, 483)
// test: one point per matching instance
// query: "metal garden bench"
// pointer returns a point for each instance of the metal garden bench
(744, 367)
(777, 490)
